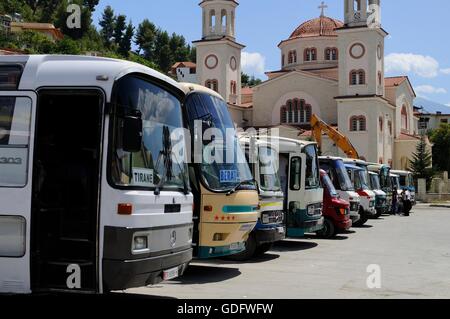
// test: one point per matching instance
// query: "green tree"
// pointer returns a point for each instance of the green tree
(441, 147)
(119, 28)
(107, 24)
(247, 80)
(91, 4)
(125, 43)
(163, 52)
(145, 39)
(420, 164)
(62, 15)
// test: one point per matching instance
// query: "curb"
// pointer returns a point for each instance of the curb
(440, 206)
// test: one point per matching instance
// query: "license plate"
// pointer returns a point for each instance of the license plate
(170, 273)
(234, 246)
(280, 230)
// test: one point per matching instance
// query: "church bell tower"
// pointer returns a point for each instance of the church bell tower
(218, 53)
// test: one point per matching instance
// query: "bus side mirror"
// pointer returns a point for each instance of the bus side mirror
(132, 134)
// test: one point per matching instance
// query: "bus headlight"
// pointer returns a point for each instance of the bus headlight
(12, 236)
(265, 218)
(311, 210)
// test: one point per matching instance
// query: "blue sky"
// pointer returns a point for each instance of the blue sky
(418, 44)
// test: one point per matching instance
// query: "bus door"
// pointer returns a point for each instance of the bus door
(65, 194)
(296, 192)
(16, 150)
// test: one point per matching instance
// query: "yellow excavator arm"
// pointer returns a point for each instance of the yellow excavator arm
(318, 127)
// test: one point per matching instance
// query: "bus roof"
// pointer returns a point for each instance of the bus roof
(401, 173)
(192, 87)
(355, 161)
(353, 167)
(333, 158)
(77, 71)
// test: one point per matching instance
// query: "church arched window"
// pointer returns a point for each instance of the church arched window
(310, 54)
(292, 57)
(282, 60)
(331, 54)
(212, 21)
(404, 118)
(381, 124)
(357, 77)
(212, 84)
(358, 123)
(223, 19)
(283, 114)
(296, 111)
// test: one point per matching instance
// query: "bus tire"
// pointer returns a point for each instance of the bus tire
(363, 220)
(328, 231)
(263, 248)
(249, 252)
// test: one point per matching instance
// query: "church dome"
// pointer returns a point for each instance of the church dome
(322, 26)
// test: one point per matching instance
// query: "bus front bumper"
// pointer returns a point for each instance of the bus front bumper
(306, 227)
(270, 234)
(124, 274)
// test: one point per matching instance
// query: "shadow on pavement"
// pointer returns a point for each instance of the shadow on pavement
(337, 237)
(291, 245)
(363, 226)
(199, 274)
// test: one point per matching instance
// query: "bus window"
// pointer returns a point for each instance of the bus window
(223, 163)
(296, 173)
(161, 162)
(312, 167)
(15, 114)
(268, 167)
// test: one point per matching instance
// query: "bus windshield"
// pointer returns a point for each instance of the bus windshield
(406, 180)
(396, 182)
(384, 178)
(312, 167)
(268, 169)
(375, 182)
(342, 176)
(223, 163)
(161, 161)
(329, 186)
(363, 177)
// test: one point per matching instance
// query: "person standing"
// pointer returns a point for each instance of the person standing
(406, 200)
(394, 201)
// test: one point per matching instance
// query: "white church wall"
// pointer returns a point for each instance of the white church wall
(403, 96)
(367, 142)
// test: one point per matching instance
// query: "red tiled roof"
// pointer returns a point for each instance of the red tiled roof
(394, 81)
(246, 90)
(186, 64)
(322, 26)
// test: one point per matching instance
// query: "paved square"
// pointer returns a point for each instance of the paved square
(413, 253)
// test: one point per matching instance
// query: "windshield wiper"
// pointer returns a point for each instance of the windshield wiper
(234, 189)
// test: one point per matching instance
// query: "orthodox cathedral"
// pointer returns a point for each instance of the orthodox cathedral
(328, 67)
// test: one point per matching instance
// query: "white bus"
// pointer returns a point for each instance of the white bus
(91, 198)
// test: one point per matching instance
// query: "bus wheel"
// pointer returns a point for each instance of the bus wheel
(363, 219)
(249, 252)
(328, 231)
(263, 248)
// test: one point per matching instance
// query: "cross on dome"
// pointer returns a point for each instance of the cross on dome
(322, 7)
